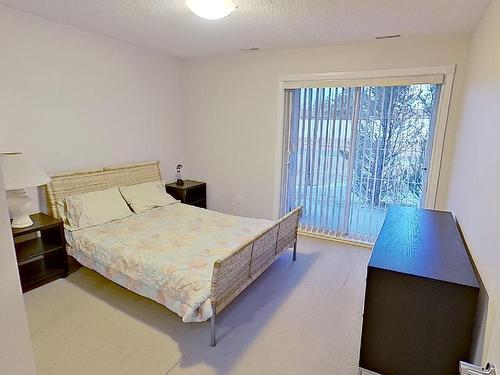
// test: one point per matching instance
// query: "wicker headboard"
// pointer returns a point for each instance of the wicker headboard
(71, 183)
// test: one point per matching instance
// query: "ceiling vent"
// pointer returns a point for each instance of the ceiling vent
(392, 36)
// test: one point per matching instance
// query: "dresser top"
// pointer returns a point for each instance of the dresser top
(423, 243)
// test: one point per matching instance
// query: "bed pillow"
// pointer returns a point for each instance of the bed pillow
(146, 196)
(94, 208)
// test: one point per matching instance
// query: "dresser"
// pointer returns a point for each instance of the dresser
(421, 296)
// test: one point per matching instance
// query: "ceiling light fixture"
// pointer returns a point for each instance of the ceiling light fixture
(211, 9)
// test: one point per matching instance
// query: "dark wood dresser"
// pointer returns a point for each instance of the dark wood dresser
(421, 296)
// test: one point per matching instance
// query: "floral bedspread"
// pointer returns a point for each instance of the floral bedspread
(166, 254)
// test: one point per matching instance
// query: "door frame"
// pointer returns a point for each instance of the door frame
(281, 146)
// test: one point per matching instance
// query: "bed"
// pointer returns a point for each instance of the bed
(191, 260)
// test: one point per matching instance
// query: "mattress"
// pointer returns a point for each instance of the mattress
(166, 254)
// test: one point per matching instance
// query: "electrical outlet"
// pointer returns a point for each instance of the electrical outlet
(238, 199)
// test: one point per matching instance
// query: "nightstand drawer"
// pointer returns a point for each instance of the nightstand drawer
(196, 194)
(202, 203)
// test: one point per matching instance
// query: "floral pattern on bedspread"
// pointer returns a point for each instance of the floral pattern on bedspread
(166, 254)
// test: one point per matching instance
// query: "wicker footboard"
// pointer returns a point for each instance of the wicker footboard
(234, 273)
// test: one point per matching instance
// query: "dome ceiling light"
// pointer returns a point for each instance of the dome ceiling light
(211, 9)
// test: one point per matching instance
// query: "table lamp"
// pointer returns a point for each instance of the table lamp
(19, 173)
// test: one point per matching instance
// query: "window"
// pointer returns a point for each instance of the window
(353, 148)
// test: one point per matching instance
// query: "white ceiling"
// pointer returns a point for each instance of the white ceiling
(167, 25)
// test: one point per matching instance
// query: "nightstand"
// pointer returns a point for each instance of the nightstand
(193, 193)
(40, 251)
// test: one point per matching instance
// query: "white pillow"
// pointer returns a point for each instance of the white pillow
(146, 196)
(94, 208)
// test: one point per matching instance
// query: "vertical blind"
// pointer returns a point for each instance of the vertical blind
(354, 151)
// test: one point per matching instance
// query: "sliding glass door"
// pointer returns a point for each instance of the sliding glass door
(354, 151)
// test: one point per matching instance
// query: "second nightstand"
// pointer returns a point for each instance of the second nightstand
(193, 193)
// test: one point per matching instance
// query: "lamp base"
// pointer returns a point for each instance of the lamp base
(21, 222)
(19, 206)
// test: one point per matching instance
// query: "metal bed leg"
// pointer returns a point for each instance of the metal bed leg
(212, 331)
(295, 251)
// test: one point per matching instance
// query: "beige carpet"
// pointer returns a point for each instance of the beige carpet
(300, 317)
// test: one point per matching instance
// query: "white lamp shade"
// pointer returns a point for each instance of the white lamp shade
(19, 172)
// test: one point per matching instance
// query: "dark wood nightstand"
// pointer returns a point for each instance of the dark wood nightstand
(193, 193)
(41, 251)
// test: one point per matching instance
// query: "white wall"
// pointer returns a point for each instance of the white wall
(475, 179)
(16, 354)
(72, 99)
(231, 111)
